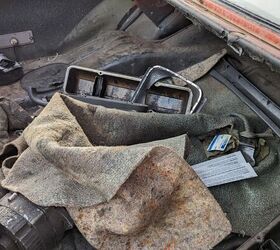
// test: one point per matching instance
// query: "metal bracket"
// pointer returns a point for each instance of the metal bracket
(16, 39)
(157, 73)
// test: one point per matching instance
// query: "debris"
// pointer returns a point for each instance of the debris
(42, 83)
(10, 70)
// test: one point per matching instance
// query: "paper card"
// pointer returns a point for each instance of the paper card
(229, 168)
(219, 143)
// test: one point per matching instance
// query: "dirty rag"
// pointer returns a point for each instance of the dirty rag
(89, 158)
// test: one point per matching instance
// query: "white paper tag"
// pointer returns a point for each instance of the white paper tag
(248, 153)
(219, 143)
(229, 168)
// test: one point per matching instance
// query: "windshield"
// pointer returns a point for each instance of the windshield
(269, 9)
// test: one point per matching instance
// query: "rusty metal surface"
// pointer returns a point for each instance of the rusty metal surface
(241, 33)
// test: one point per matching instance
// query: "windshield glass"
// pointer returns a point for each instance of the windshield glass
(268, 9)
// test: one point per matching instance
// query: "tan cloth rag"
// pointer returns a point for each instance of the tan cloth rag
(121, 188)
